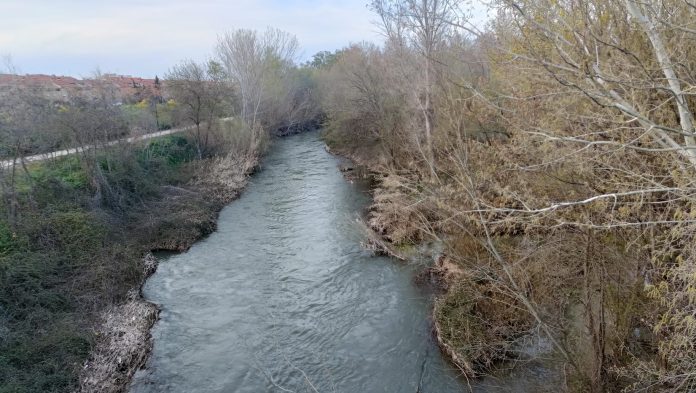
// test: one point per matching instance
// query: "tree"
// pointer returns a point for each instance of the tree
(200, 92)
(25, 128)
(324, 59)
(627, 56)
(259, 66)
(155, 100)
(423, 26)
(367, 102)
(601, 94)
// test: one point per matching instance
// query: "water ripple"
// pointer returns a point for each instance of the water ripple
(282, 295)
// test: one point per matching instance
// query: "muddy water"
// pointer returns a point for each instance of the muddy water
(283, 298)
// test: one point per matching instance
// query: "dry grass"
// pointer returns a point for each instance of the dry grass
(222, 178)
(124, 342)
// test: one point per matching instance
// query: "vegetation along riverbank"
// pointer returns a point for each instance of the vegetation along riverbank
(73, 264)
(532, 151)
(77, 230)
(550, 153)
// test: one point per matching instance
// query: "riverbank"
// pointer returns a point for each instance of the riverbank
(391, 225)
(399, 220)
(501, 312)
(124, 339)
(72, 242)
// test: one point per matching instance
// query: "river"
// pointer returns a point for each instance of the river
(283, 297)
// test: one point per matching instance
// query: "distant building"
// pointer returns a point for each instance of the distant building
(125, 88)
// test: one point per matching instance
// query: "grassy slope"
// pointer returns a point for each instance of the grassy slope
(65, 260)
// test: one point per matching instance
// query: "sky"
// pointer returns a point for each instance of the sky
(146, 37)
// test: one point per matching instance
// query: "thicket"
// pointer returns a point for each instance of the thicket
(62, 260)
(73, 242)
(551, 154)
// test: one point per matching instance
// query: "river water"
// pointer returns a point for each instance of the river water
(282, 298)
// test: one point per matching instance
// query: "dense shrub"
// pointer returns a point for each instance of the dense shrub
(67, 255)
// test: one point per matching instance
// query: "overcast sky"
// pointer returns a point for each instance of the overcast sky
(146, 37)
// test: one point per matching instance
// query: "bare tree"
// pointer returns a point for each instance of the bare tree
(199, 91)
(25, 128)
(599, 61)
(603, 93)
(424, 26)
(258, 65)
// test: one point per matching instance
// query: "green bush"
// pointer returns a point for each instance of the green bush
(174, 150)
(44, 361)
(65, 171)
(56, 272)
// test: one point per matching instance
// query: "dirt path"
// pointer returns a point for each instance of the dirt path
(67, 152)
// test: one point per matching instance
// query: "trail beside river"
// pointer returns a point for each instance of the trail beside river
(75, 150)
